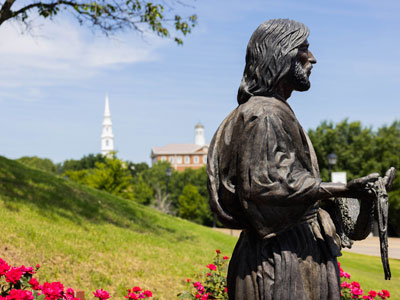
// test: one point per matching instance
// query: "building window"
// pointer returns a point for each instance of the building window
(205, 159)
(171, 159)
(179, 159)
(196, 159)
(106, 142)
(187, 159)
(163, 158)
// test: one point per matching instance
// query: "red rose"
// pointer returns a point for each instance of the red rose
(372, 293)
(34, 283)
(13, 275)
(218, 251)
(101, 294)
(53, 290)
(20, 295)
(4, 267)
(212, 267)
(28, 270)
(148, 293)
(386, 293)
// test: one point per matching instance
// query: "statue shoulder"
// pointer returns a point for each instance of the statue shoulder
(260, 107)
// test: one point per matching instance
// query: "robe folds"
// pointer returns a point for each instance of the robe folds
(263, 178)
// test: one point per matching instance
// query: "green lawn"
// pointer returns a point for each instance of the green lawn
(368, 271)
(88, 239)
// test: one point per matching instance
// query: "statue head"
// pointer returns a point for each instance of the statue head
(276, 50)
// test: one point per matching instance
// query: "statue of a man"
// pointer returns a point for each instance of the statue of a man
(264, 179)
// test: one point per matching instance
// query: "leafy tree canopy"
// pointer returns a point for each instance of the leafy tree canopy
(86, 162)
(192, 205)
(361, 151)
(106, 16)
(112, 176)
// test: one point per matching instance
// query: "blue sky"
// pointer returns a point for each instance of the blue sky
(53, 81)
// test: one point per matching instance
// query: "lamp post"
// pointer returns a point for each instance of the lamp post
(332, 160)
(168, 173)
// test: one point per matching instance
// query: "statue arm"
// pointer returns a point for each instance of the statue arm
(356, 188)
(361, 226)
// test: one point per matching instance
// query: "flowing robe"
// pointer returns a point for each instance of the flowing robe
(263, 178)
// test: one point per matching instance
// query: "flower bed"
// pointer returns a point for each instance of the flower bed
(19, 283)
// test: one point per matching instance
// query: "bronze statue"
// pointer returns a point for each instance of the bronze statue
(263, 178)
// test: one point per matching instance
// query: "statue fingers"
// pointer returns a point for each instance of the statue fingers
(389, 178)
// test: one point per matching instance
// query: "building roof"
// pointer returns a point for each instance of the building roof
(199, 125)
(177, 149)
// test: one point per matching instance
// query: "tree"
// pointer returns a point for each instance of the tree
(192, 205)
(156, 176)
(179, 180)
(354, 145)
(112, 176)
(137, 168)
(106, 16)
(361, 151)
(142, 191)
(86, 162)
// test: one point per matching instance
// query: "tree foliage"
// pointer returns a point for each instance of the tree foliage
(86, 162)
(361, 151)
(112, 176)
(192, 205)
(142, 191)
(106, 16)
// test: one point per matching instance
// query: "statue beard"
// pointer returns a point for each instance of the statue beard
(299, 76)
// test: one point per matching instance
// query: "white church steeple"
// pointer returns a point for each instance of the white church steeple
(107, 136)
(199, 138)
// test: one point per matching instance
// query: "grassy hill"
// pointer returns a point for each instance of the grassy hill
(88, 239)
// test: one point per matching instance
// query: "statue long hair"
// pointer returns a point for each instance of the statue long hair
(269, 56)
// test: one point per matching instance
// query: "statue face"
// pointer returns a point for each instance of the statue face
(301, 68)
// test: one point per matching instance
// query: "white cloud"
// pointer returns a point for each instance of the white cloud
(64, 51)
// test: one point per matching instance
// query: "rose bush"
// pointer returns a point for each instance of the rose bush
(210, 284)
(353, 290)
(18, 283)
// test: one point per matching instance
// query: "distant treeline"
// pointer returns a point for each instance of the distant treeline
(360, 150)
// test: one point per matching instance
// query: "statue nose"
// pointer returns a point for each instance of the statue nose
(311, 58)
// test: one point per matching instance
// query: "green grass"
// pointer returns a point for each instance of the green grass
(88, 239)
(368, 271)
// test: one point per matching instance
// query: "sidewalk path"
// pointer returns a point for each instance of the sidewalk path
(369, 246)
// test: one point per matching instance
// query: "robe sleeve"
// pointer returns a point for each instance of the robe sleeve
(272, 165)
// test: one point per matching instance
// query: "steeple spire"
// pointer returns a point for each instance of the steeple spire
(107, 108)
(107, 136)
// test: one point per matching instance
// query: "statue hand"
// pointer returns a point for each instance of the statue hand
(389, 178)
(361, 186)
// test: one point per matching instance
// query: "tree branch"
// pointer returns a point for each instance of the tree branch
(5, 11)
(108, 16)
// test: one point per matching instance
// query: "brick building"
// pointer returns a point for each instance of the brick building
(182, 156)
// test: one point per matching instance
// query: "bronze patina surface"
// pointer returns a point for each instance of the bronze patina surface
(263, 177)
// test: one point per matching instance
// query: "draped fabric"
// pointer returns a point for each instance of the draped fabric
(264, 178)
